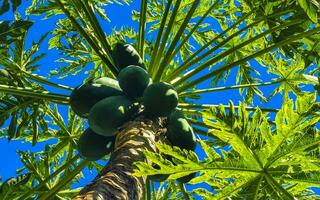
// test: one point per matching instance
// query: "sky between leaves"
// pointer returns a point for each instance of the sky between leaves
(8, 155)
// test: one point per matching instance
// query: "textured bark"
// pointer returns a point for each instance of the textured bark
(115, 181)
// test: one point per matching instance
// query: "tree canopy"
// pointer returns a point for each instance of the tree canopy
(246, 149)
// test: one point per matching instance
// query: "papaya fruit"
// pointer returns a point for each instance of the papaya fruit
(125, 55)
(179, 131)
(110, 113)
(85, 96)
(187, 178)
(133, 80)
(92, 146)
(174, 115)
(159, 99)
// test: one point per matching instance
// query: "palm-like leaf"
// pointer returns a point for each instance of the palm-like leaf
(262, 158)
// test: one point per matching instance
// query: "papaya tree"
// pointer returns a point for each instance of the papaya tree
(219, 95)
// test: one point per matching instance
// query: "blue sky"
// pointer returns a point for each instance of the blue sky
(8, 156)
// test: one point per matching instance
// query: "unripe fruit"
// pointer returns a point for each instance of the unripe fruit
(92, 146)
(85, 96)
(133, 80)
(110, 113)
(159, 99)
(125, 55)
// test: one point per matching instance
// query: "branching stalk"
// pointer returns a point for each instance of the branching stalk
(165, 39)
(216, 89)
(53, 175)
(231, 50)
(202, 132)
(43, 80)
(159, 36)
(30, 92)
(208, 106)
(84, 34)
(186, 63)
(97, 28)
(176, 39)
(186, 38)
(190, 61)
(184, 191)
(64, 181)
(272, 182)
(259, 53)
(142, 27)
(148, 189)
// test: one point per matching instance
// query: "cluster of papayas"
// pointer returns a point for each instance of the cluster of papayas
(106, 107)
(109, 103)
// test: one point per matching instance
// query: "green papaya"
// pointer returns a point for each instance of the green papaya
(179, 131)
(125, 55)
(85, 96)
(159, 99)
(133, 80)
(186, 179)
(108, 114)
(174, 115)
(92, 146)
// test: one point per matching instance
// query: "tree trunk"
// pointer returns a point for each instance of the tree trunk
(115, 181)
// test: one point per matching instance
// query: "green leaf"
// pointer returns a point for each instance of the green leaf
(310, 8)
(305, 102)
(5, 6)
(10, 31)
(14, 184)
